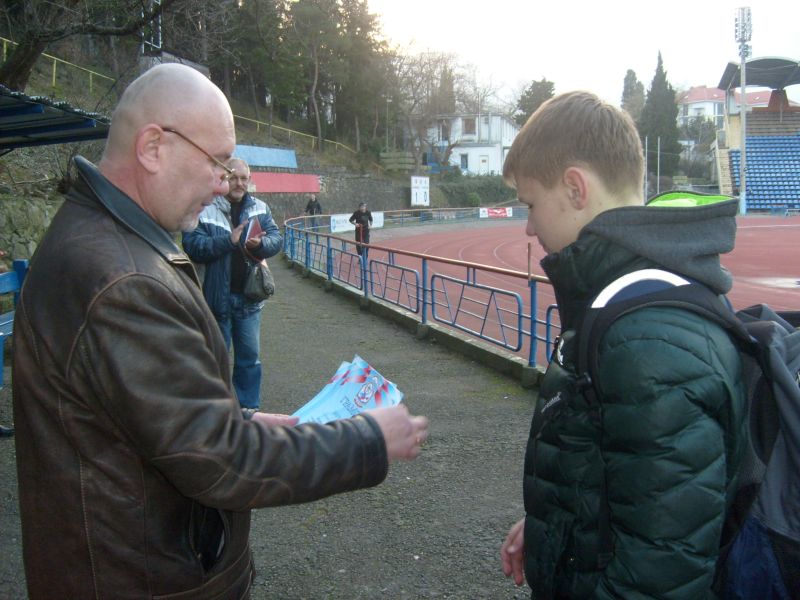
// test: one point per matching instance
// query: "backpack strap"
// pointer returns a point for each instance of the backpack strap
(643, 289)
(639, 289)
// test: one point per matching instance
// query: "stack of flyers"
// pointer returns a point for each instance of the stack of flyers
(355, 387)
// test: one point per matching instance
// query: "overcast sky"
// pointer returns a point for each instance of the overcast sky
(590, 44)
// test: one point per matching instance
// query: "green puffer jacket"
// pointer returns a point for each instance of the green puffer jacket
(667, 442)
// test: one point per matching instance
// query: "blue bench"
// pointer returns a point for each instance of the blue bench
(10, 283)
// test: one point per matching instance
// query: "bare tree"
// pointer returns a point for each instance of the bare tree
(418, 80)
(474, 95)
(38, 23)
(200, 29)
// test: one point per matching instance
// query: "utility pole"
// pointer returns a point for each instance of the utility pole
(646, 174)
(658, 167)
(388, 102)
(744, 31)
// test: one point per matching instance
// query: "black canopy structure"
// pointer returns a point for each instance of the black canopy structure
(772, 72)
(37, 120)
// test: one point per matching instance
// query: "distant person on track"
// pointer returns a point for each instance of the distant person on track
(653, 463)
(138, 469)
(313, 208)
(362, 219)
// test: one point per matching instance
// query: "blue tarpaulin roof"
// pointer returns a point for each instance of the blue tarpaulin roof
(258, 156)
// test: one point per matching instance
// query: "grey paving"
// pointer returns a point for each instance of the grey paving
(433, 528)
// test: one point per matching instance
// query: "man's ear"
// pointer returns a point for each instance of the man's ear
(576, 181)
(149, 151)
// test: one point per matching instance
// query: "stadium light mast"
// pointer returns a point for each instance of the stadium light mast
(744, 31)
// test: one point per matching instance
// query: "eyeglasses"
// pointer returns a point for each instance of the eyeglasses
(229, 173)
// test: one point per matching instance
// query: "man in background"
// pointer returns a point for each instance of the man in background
(216, 244)
(137, 467)
(313, 208)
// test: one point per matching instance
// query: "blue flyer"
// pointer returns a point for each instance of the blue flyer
(355, 387)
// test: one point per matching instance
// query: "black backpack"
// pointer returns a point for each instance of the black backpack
(760, 546)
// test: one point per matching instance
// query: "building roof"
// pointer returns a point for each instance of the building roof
(38, 120)
(701, 94)
(759, 98)
(259, 156)
(773, 72)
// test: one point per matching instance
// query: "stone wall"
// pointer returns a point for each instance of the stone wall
(23, 221)
(25, 212)
(341, 192)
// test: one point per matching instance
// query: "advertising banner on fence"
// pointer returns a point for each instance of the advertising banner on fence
(496, 213)
(340, 222)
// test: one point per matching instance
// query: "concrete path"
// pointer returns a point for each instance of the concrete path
(433, 528)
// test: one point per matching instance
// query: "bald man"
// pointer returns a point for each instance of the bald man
(137, 466)
(216, 244)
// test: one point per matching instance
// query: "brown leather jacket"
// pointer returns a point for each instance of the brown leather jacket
(137, 470)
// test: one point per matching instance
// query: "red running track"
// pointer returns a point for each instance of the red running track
(765, 263)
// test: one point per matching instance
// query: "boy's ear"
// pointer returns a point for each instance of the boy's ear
(576, 182)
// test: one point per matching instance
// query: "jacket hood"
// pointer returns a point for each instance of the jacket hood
(222, 203)
(684, 233)
(686, 239)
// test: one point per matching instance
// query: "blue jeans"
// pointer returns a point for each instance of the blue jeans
(243, 327)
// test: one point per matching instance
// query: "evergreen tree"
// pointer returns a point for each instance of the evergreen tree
(659, 121)
(361, 81)
(633, 95)
(257, 60)
(701, 131)
(536, 94)
(444, 102)
(316, 24)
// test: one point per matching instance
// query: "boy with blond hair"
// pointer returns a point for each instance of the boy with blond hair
(625, 497)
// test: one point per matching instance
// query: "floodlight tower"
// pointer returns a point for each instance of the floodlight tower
(744, 31)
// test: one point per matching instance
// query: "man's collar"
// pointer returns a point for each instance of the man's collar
(127, 212)
(241, 202)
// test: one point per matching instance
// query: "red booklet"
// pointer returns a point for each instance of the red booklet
(253, 230)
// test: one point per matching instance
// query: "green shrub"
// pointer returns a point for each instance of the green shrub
(460, 191)
(473, 199)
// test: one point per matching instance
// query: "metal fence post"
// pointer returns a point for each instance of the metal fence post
(534, 324)
(425, 291)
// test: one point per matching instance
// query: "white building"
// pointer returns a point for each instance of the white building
(709, 103)
(701, 102)
(478, 142)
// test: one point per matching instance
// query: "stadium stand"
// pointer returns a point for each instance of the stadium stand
(773, 171)
(772, 139)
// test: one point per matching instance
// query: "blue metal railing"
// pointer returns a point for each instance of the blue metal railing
(453, 293)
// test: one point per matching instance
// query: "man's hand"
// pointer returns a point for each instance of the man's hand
(254, 243)
(273, 420)
(512, 553)
(404, 434)
(237, 233)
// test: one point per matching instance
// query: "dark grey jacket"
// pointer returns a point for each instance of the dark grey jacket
(667, 441)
